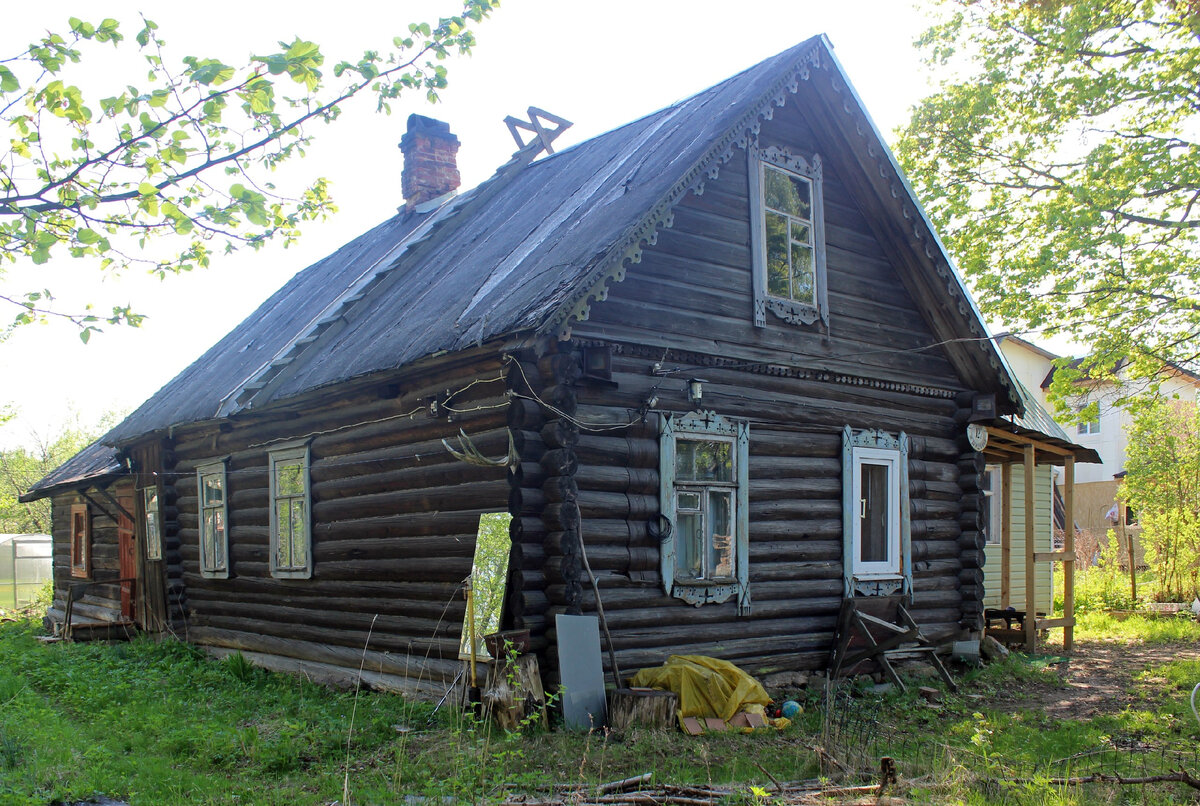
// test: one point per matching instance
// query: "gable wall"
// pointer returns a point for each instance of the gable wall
(100, 602)
(690, 301)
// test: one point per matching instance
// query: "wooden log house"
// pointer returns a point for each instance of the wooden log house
(719, 353)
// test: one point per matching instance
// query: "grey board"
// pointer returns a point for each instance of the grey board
(582, 673)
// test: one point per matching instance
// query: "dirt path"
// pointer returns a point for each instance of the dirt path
(1099, 678)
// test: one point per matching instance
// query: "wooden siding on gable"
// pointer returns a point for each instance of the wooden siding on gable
(1043, 508)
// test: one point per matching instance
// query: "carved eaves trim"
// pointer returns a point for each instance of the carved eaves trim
(611, 266)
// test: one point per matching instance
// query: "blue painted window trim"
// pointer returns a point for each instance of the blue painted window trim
(701, 424)
(876, 443)
(217, 566)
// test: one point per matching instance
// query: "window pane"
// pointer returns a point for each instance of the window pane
(689, 543)
(801, 233)
(289, 478)
(787, 193)
(299, 527)
(283, 541)
(777, 255)
(214, 492)
(688, 501)
(802, 274)
(703, 461)
(208, 540)
(720, 518)
(873, 510)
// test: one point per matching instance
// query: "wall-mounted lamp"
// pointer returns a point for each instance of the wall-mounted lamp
(695, 390)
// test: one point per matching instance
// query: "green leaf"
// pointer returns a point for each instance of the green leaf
(8, 81)
(88, 236)
(147, 189)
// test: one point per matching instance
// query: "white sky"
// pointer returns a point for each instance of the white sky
(597, 64)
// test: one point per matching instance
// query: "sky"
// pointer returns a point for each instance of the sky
(597, 64)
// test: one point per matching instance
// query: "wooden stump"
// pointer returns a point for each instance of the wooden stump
(513, 695)
(644, 708)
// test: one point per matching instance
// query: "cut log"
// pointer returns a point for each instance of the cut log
(642, 708)
(514, 696)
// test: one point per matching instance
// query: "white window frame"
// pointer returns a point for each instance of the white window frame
(290, 454)
(874, 447)
(789, 310)
(215, 567)
(152, 515)
(710, 427)
(1087, 427)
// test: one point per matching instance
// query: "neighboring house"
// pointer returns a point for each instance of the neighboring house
(1097, 510)
(716, 355)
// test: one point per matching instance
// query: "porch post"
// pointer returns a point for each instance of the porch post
(1005, 535)
(1030, 546)
(1069, 548)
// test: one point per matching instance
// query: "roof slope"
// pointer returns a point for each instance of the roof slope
(497, 260)
(83, 469)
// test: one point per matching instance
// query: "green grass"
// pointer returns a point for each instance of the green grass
(162, 723)
(1137, 628)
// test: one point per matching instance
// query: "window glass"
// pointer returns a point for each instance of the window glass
(697, 460)
(777, 255)
(874, 512)
(153, 529)
(688, 546)
(787, 193)
(720, 534)
(289, 478)
(214, 489)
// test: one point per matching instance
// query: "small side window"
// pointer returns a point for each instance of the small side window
(153, 523)
(291, 528)
(81, 541)
(214, 519)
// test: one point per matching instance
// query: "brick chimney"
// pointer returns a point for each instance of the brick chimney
(430, 169)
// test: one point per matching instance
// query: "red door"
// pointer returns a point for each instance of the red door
(127, 552)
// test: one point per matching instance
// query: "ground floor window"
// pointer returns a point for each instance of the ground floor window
(214, 518)
(488, 581)
(875, 512)
(291, 503)
(81, 541)
(704, 495)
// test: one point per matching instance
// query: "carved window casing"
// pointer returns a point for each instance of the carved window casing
(787, 237)
(212, 490)
(704, 495)
(877, 556)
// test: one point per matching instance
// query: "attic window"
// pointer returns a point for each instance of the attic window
(787, 237)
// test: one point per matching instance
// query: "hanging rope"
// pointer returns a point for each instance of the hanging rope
(472, 455)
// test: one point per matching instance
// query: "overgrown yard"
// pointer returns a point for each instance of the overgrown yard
(162, 723)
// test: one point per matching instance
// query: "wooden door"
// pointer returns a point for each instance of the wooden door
(127, 553)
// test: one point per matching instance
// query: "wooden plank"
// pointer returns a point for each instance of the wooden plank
(1053, 556)
(1006, 535)
(1051, 623)
(1030, 545)
(1010, 438)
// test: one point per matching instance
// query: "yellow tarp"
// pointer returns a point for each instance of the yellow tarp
(707, 687)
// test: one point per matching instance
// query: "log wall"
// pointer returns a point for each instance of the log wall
(101, 602)
(394, 519)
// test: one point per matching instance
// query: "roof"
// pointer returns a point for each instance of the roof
(523, 253)
(1028, 345)
(95, 462)
(1036, 424)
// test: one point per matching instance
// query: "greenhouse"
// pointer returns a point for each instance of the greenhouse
(25, 566)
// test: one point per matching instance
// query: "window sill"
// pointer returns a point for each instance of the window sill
(702, 592)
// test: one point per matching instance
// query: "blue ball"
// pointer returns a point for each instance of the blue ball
(791, 708)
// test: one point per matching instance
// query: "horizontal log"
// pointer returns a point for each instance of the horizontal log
(392, 549)
(408, 627)
(431, 648)
(793, 551)
(617, 479)
(794, 510)
(413, 666)
(617, 451)
(436, 471)
(450, 498)
(416, 524)
(594, 504)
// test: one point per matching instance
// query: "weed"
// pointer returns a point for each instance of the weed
(10, 750)
(241, 669)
